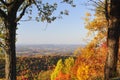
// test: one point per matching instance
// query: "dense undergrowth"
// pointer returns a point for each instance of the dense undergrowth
(33, 68)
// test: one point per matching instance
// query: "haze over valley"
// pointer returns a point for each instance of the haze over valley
(46, 49)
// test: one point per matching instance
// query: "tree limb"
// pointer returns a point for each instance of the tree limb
(106, 10)
(22, 13)
(102, 2)
(97, 3)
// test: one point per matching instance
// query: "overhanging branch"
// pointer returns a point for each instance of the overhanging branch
(22, 14)
(97, 3)
(24, 9)
(102, 2)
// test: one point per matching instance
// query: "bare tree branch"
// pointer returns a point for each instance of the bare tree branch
(22, 13)
(101, 2)
(106, 10)
(97, 3)
(97, 10)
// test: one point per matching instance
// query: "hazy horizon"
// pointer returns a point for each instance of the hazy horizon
(48, 44)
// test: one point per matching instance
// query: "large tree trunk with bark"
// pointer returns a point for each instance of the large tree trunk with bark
(10, 37)
(113, 40)
(10, 56)
(113, 46)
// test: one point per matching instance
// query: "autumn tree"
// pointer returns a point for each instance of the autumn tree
(58, 68)
(107, 25)
(11, 12)
(63, 69)
(112, 15)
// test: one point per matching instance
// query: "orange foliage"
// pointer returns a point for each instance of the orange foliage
(63, 76)
(97, 24)
(90, 64)
(90, 61)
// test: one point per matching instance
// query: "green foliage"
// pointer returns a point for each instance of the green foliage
(68, 63)
(63, 67)
(58, 68)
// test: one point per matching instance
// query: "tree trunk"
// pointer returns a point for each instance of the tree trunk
(113, 40)
(10, 55)
(113, 46)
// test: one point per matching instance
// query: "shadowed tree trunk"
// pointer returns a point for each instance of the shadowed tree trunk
(10, 56)
(10, 37)
(113, 40)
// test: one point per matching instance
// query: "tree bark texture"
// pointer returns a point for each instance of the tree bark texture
(10, 56)
(10, 37)
(113, 40)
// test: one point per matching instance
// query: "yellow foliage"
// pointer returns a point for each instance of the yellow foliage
(83, 72)
(77, 51)
(68, 64)
(63, 69)
(98, 23)
(58, 69)
(90, 63)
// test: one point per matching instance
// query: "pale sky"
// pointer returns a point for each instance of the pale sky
(69, 30)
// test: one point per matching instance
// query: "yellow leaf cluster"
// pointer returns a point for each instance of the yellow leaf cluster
(98, 23)
(90, 63)
(63, 69)
(83, 72)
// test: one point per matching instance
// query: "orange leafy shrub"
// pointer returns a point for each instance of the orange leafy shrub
(63, 76)
(83, 72)
(90, 63)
